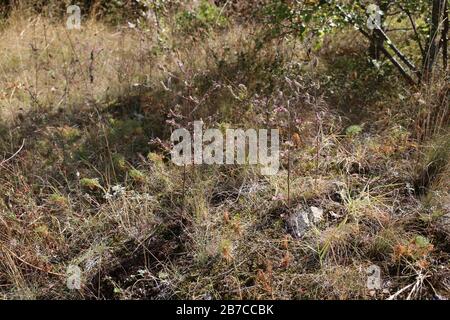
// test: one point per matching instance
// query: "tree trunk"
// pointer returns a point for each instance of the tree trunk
(376, 45)
(445, 38)
(432, 48)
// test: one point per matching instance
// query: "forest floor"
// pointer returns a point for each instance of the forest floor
(86, 178)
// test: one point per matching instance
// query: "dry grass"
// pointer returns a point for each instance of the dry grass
(87, 180)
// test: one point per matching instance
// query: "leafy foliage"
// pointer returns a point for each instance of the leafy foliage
(203, 18)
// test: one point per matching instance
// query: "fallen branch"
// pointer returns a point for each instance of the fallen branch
(395, 295)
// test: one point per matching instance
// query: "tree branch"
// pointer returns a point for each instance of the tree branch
(416, 33)
(391, 58)
(15, 154)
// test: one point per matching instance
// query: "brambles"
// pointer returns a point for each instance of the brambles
(418, 250)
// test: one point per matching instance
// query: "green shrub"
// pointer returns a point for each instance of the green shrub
(205, 17)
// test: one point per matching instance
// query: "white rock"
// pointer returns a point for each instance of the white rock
(302, 220)
(316, 215)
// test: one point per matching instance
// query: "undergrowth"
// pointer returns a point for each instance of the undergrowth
(86, 177)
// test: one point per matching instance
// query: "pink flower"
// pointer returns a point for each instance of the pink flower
(280, 110)
(278, 197)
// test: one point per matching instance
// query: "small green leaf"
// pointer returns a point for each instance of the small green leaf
(353, 130)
